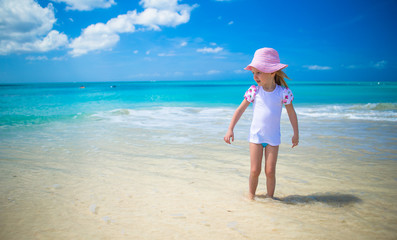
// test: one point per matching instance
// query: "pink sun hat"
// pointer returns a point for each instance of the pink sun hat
(266, 60)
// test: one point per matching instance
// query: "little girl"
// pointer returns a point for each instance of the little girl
(267, 98)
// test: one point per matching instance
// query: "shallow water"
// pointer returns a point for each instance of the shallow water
(107, 172)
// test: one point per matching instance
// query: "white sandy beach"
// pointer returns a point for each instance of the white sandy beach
(123, 182)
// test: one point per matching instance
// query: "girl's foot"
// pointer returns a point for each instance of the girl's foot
(267, 196)
(274, 198)
(250, 196)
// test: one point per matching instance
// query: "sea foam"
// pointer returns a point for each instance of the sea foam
(370, 111)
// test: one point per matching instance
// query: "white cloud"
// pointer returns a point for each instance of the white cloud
(210, 50)
(317, 67)
(157, 13)
(24, 19)
(145, 75)
(212, 72)
(183, 44)
(53, 40)
(27, 27)
(37, 58)
(159, 4)
(44, 58)
(166, 54)
(59, 58)
(351, 66)
(163, 13)
(102, 36)
(91, 41)
(380, 64)
(86, 5)
(231, 22)
(239, 71)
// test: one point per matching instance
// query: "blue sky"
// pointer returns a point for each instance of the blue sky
(121, 40)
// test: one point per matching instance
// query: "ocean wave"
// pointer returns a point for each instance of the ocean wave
(176, 124)
(369, 111)
(217, 119)
(376, 106)
(168, 117)
(199, 119)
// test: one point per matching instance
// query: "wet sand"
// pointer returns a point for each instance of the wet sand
(80, 185)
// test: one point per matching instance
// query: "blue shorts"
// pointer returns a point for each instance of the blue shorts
(264, 145)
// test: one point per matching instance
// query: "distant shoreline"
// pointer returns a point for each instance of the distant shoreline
(231, 82)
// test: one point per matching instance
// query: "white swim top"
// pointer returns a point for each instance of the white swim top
(265, 126)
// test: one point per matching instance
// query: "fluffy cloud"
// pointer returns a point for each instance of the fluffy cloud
(157, 13)
(160, 4)
(317, 67)
(38, 58)
(103, 36)
(210, 50)
(53, 40)
(86, 5)
(380, 64)
(154, 18)
(171, 54)
(239, 71)
(212, 72)
(27, 27)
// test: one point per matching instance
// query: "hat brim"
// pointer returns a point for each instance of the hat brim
(269, 68)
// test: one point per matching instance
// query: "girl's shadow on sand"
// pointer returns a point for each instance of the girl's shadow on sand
(331, 199)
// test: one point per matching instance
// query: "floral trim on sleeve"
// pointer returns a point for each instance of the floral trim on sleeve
(288, 97)
(250, 94)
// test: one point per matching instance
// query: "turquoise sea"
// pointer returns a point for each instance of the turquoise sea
(110, 160)
(31, 104)
(354, 106)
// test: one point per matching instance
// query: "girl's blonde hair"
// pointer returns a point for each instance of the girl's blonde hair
(279, 78)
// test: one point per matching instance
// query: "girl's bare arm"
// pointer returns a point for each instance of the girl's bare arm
(294, 122)
(236, 116)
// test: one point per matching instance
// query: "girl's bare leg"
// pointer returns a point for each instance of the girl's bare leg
(256, 155)
(271, 153)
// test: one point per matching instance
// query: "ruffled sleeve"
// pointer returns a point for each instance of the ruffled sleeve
(288, 97)
(250, 94)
